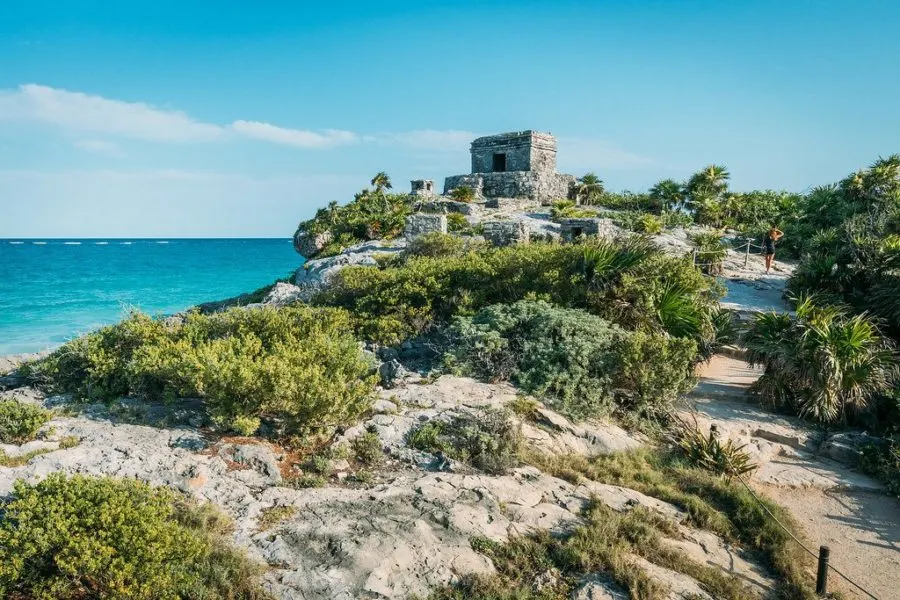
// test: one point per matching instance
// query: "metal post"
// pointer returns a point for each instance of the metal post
(822, 574)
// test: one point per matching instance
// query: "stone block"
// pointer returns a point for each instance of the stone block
(506, 233)
(420, 223)
(571, 229)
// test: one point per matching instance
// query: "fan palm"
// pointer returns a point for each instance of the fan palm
(588, 189)
(669, 194)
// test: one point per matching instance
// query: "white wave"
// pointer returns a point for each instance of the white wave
(125, 243)
(101, 243)
(162, 241)
(71, 243)
(39, 243)
(17, 243)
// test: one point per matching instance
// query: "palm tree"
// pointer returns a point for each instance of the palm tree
(588, 189)
(381, 181)
(669, 194)
(823, 363)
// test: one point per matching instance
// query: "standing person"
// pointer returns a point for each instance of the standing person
(774, 234)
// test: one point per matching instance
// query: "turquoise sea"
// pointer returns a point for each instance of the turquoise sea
(53, 290)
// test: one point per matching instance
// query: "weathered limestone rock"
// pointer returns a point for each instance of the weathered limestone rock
(420, 223)
(316, 274)
(283, 294)
(571, 229)
(308, 245)
(506, 233)
(599, 587)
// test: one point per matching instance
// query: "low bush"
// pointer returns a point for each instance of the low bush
(882, 461)
(457, 223)
(463, 194)
(19, 422)
(709, 251)
(87, 537)
(368, 448)
(567, 209)
(435, 245)
(297, 367)
(489, 441)
(579, 363)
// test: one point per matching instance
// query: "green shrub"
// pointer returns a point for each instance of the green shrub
(710, 251)
(105, 538)
(435, 244)
(19, 422)
(489, 441)
(882, 461)
(621, 281)
(463, 194)
(297, 367)
(579, 363)
(457, 223)
(567, 209)
(367, 448)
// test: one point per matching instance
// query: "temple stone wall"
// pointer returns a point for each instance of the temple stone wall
(419, 224)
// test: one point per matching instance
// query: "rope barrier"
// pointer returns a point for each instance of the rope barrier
(788, 531)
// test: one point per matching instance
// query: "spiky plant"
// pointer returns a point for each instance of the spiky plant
(722, 458)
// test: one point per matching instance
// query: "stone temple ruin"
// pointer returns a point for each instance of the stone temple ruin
(520, 164)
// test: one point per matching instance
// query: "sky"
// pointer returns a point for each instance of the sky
(239, 119)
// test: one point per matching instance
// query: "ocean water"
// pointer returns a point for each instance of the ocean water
(53, 290)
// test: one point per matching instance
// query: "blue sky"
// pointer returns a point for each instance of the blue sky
(230, 118)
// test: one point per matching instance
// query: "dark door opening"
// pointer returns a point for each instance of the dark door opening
(499, 163)
(577, 232)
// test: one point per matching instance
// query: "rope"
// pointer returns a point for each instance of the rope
(793, 537)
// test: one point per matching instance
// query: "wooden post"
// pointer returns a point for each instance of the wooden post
(747, 256)
(822, 574)
(694, 258)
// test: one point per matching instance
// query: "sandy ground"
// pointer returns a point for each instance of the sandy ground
(834, 505)
(862, 529)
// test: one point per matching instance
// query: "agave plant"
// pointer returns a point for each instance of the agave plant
(708, 452)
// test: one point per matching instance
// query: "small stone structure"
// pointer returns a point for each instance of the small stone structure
(449, 206)
(420, 223)
(571, 229)
(520, 164)
(506, 233)
(422, 187)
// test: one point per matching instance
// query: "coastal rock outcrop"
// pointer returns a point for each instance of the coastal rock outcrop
(315, 274)
(309, 244)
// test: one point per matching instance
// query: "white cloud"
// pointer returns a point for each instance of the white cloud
(301, 138)
(76, 111)
(98, 147)
(446, 140)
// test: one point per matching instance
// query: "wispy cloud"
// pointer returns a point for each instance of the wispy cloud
(98, 147)
(80, 112)
(441, 140)
(302, 138)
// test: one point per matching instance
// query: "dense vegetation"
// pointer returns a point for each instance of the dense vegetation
(81, 537)
(373, 214)
(297, 367)
(579, 363)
